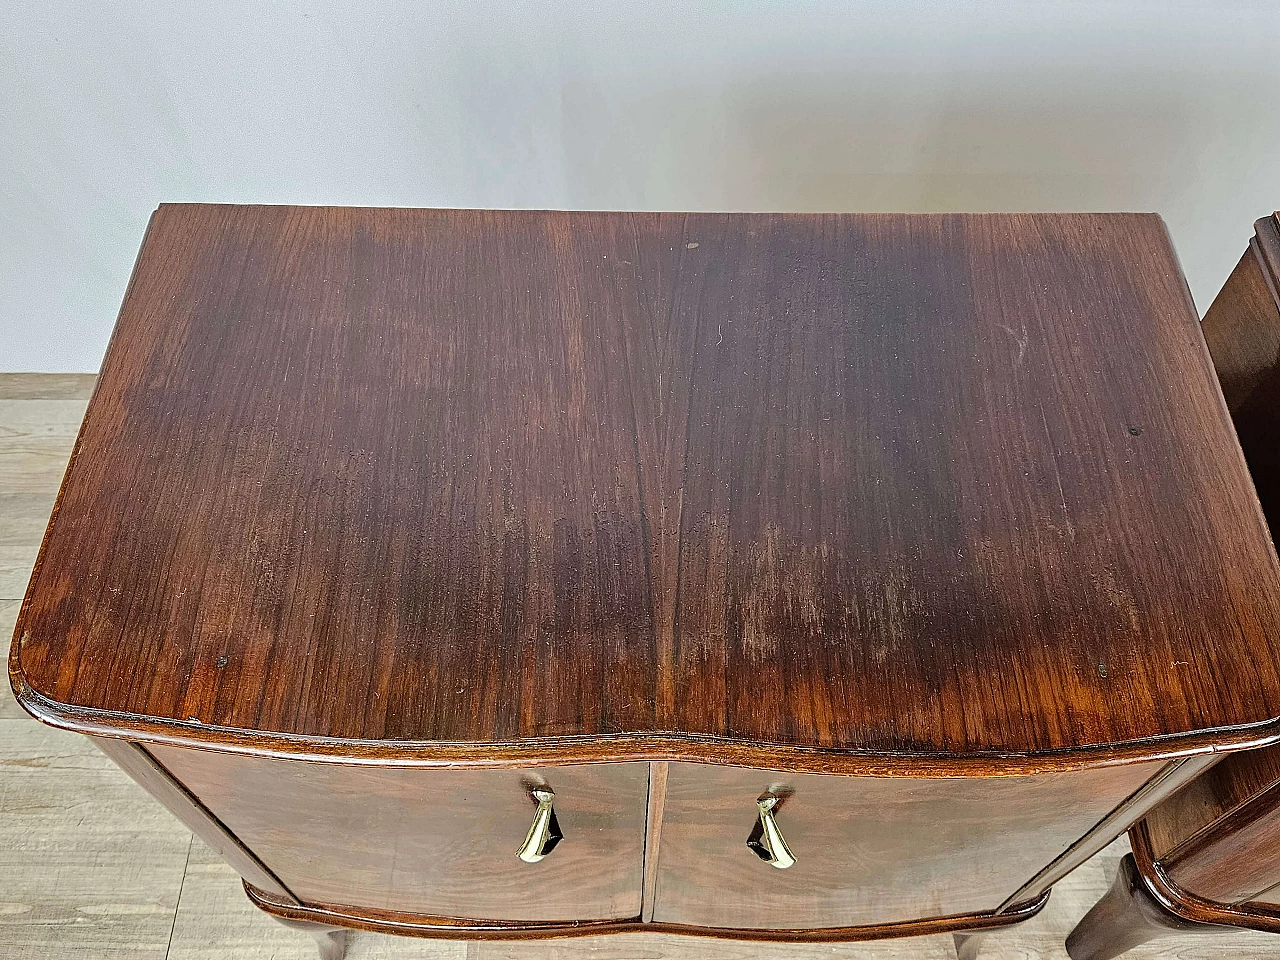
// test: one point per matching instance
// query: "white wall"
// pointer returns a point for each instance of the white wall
(106, 109)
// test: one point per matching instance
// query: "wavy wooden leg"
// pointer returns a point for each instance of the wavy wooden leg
(967, 944)
(332, 941)
(1126, 916)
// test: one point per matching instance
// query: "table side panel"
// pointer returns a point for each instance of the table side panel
(1217, 839)
(1242, 331)
(1210, 797)
(1234, 859)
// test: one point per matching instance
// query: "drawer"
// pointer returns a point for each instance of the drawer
(867, 851)
(431, 842)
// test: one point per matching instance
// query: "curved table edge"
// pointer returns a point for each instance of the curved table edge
(610, 748)
(460, 929)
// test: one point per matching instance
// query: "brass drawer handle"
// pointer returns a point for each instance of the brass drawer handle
(766, 840)
(544, 832)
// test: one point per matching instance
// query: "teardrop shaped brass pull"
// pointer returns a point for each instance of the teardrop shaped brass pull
(544, 832)
(766, 840)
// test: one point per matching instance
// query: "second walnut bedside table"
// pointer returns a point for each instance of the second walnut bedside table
(473, 573)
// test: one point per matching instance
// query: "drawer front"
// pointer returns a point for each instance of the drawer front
(867, 851)
(432, 842)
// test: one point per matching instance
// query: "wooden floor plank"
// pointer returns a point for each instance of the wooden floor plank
(90, 867)
(15, 570)
(36, 437)
(216, 922)
(9, 709)
(666, 947)
(47, 386)
(44, 419)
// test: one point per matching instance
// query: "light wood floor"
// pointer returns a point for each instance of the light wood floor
(90, 867)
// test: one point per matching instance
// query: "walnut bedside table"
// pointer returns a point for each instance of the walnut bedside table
(509, 574)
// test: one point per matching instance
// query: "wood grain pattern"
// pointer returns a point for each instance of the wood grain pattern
(1240, 333)
(868, 851)
(1127, 916)
(1210, 797)
(793, 482)
(1190, 906)
(92, 868)
(1237, 858)
(1242, 330)
(431, 842)
(1218, 840)
(1170, 778)
(1208, 855)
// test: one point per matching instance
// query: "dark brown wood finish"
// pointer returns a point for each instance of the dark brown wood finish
(869, 850)
(432, 842)
(1127, 916)
(937, 489)
(1189, 906)
(1210, 855)
(1170, 778)
(1231, 784)
(1219, 840)
(1237, 858)
(1242, 329)
(428, 843)
(462, 929)
(365, 497)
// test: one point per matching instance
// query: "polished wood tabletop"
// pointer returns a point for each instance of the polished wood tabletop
(792, 489)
